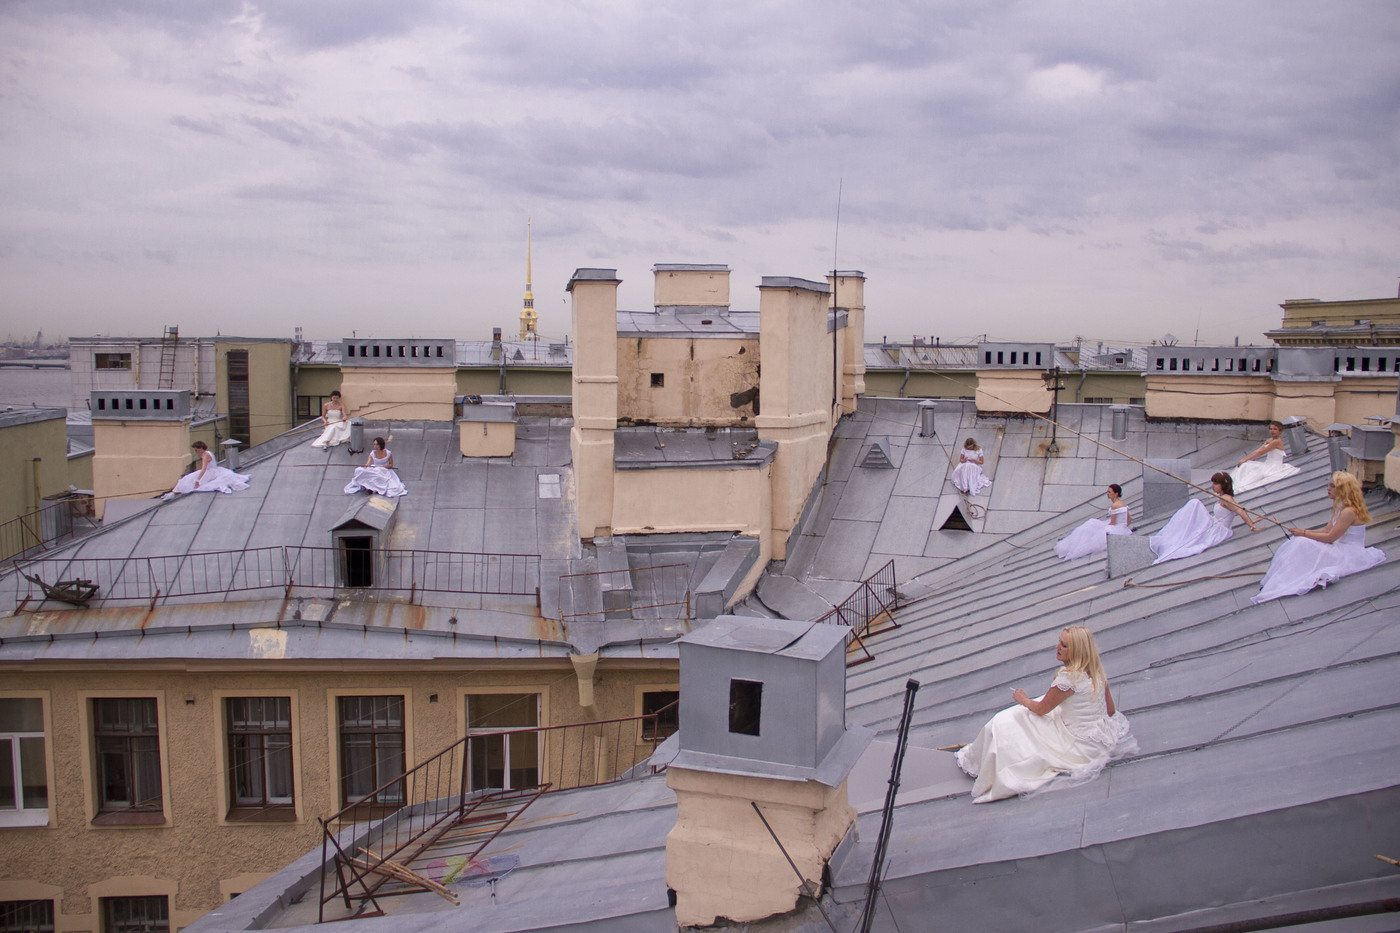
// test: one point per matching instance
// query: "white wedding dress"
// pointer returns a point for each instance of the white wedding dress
(337, 430)
(377, 477)
(967, 475)
(1302, 563)
(1191, 530)
(1018, 752)
(215, 479)
(1255, 473)
(1092, 536)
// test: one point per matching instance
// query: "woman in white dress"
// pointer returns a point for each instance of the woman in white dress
(210, 477)
(1319, 556)
(967, 475)
(1073, 730)
(1250, 475)
(377, 475)
(1092, 536)
(1192, 529)
(337, 426)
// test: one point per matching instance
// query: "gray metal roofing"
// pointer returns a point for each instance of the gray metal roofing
(1270, 735)
(688, 321)
(454, 504)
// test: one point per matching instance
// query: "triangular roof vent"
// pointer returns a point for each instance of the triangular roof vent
(877, 457)
(956, 521)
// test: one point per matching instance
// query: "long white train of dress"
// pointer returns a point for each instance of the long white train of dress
(1191, 530)
(1018, 752)
(216, 479)
(1300, 564)
(337, 430)
(969, 478)
(1255, 473)
(375, 478)
(1092, 536)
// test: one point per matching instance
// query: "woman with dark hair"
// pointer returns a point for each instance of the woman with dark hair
(1092, 536)
(1318, 556)
(210, 477)
(378, 474)
(1250, 475)
(1192, 529)
(967, 475)
(336, 425)
(1070, 733)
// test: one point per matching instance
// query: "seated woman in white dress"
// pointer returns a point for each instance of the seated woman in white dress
(377, 475)
(1250, 475)
(967, 475)
(1192, 529)
(1319, 556)
(1092, 536)
(1073, 730)
(210, 477)
(337, 426)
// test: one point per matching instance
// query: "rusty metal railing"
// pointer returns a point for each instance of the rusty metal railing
(873, 599)
(281, 571)
(35, 532)
(450, 789)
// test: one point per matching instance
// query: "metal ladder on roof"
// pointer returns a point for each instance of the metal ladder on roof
(169, 341)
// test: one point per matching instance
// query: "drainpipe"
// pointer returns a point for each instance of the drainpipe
(38, 487)
(905, 382)
(584, 667)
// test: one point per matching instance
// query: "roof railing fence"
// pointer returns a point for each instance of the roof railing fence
(35, 532)
(874, 598)
(482, 782)
(288, 569)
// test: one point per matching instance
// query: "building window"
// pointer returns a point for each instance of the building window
(499, 758)
(111, 361)
(371, 750)
(658, 380)
(127, 735)
(260, 757)
(26, 916)
(135, 914)
(665, 708)
(24, 785)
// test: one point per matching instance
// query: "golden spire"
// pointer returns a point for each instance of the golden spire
(527, 314)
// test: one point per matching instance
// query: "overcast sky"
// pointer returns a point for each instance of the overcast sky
(1115, 170)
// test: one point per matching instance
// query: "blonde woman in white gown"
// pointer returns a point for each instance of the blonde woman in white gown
(1193, 529)
(1092, 536)
(967, 475)
(1249, 474)
(210, 477)
(378, 474)
(1318, 556)
(1073, 730)
(337, 426)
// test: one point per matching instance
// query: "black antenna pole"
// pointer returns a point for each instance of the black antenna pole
(877, 863)
(836, 306)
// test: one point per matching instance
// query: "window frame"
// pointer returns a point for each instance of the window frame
(97, 816)
(640, 693)
(145, 926)
(541, 694)
(23, 816)
(53, 912)
(334, 697)
(228, 810)
(111, 361)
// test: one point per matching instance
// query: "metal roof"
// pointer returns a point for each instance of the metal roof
(1270, 735)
